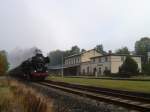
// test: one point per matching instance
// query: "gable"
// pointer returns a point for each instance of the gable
(89, 54)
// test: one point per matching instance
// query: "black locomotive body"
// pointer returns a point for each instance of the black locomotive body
(32, 69)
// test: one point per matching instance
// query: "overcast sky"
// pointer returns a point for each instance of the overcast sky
(60, 24)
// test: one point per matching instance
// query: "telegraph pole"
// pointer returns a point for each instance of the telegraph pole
(62, 70)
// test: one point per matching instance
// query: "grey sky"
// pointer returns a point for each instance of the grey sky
(59, 24)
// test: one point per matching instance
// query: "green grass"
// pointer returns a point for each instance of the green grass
(139, 86)
(141, 77)
(138, 77)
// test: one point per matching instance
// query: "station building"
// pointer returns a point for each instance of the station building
(148, 57)
(74, 64)
(111, 62)
(93, 63)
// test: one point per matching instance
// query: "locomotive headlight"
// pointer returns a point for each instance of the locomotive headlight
(34, 70)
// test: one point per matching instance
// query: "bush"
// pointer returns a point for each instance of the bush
(146, 68)
(107, 72)
(129, 67)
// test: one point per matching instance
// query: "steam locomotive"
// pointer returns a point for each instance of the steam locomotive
(32, 69)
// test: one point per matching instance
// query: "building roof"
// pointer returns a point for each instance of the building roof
(79, 53)
(116, 55)
(73, 55)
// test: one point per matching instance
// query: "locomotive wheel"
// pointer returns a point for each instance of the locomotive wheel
(43, 78)
(29, 78)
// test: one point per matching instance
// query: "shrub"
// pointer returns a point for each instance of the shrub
(107, 72)
(129, 67)
(146, 68)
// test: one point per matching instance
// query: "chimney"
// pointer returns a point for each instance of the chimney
(109, 52)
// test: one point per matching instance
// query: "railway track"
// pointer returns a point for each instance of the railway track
(133, 100)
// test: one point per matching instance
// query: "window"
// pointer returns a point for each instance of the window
(74, 61)
(78, 60)
(83, 71)
(94, 60)
(88, 70)
(106, 59)
(94, 71)
(99, 59)
(106, 68)
(71, 61)
(99, 71)
(66, 61)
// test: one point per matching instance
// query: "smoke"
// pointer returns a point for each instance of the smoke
(18, 55)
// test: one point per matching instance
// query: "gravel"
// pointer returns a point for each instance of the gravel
(67, 102)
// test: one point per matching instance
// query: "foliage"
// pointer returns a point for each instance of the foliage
(3, 63)
(142, 47)
(146, 68)
(83, 50)
(74, 50)
(99, 48)
(107, 72)
(129, 66)
(56, 56)
(123, 50)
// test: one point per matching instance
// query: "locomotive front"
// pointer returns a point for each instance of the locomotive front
(35, 68)
(39, 68)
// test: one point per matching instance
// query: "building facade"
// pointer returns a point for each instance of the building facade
(148, 57)
(74, 64)
(110, 62)
(93, 63)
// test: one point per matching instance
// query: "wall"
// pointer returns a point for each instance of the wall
(85, 57)
(116, 62)
(85, 68)
(100, 64)
(111, 63)
(73, 60)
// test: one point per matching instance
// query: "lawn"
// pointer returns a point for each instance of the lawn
(139, 86)
(139, 77)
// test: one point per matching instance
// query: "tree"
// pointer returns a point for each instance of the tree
(83, 50)
(3, 63)
(123, 50)
(129, 66)
(142, 47)
(74, 50)
(146, 68)
(99, 48)
(56, 57)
